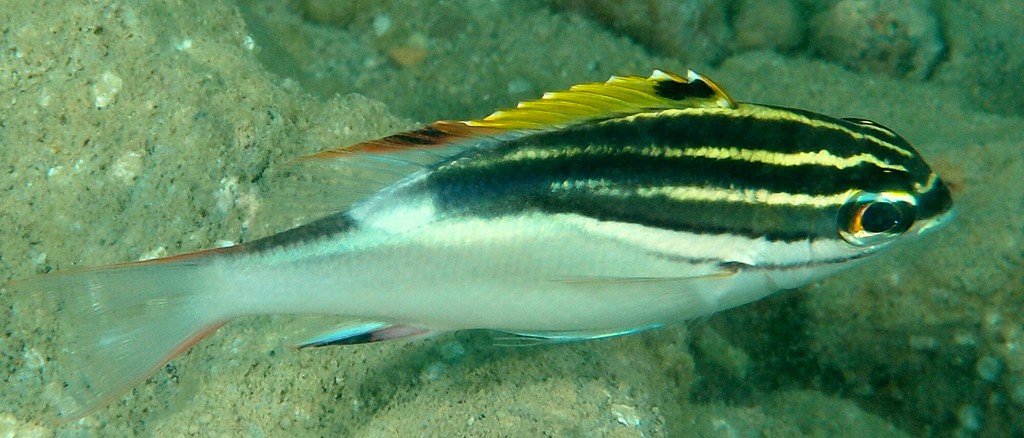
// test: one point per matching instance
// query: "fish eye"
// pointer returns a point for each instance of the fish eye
(872, 218)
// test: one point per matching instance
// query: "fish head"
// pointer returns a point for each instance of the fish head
(861, 190)
(907, 202)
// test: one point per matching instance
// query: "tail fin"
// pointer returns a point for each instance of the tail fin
(119, 324)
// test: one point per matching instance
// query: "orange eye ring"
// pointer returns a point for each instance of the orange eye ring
(855, 226)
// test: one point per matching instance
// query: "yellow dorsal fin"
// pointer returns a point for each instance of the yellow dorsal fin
(334, 179)
(618, 96)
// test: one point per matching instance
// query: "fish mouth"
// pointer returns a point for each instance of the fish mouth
(935, 207)
(934, 223)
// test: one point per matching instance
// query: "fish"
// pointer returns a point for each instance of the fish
(601, 210)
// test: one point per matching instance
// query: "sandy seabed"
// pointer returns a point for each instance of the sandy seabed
(138, 130)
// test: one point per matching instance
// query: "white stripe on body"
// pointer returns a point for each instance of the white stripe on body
(533, 272)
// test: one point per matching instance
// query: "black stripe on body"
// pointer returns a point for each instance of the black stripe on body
(612, 161)
(492, 194)
(317, 229)
(704, 217)
(875, 131)
(690, 131)
(486, 182)
(749, 131)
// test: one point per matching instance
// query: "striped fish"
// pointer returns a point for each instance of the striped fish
(602, 210)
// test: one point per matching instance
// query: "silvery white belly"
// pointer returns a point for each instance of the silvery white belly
(528, 273)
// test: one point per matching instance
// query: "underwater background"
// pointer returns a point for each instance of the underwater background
(132, 130)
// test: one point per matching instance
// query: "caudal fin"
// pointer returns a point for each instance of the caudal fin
(119, 324)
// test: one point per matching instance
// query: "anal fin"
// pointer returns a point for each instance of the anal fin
(363, 332)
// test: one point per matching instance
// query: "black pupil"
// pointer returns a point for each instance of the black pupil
(880, 217)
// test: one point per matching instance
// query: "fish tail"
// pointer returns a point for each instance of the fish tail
(119, 324)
